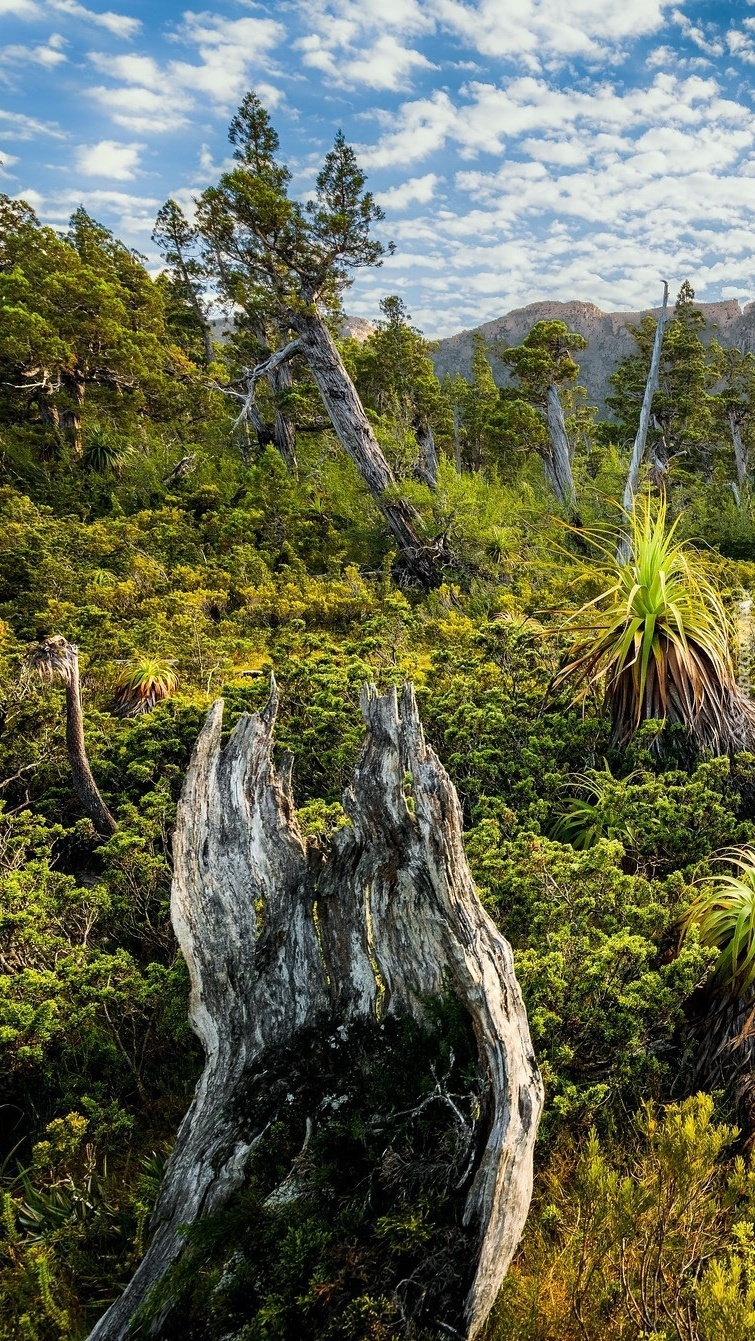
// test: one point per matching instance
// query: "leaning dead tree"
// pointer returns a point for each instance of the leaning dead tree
(277, 943)
(57, 659)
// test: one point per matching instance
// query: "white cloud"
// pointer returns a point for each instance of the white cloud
(126, 214)
(121, 25)
(141, 109)
(23, 127)
(416, 190)
(21, 9)
(7, 161)
(109, 159)
(47, 54)
(155, 97)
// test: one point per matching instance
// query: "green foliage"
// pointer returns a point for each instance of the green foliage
(723, 915)
(655, 1242)
(604, 999)
(660, 639)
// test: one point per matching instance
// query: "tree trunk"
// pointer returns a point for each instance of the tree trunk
(741, 453)
(358, 440)
(638, 450)
(397, 921)
(83, 781)
(426, 468)
(70, 417)
(57, 659)
(284, 428)
(457, 441)
(558, 466)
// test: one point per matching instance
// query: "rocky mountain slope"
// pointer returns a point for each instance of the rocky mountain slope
(607, 333)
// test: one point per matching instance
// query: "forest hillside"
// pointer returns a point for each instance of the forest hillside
(182, 518)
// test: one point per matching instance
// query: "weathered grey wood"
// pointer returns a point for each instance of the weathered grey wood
(741, 452)
(355, 433)
(638, 450)
(558, 463)
(427, 465)
(398, 919)
(236, 845)
(405, 855)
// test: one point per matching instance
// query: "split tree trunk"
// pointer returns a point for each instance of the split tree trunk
(395, 906)
(558, 464)
(358, 440)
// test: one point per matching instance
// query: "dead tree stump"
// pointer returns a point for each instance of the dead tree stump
(277, 942)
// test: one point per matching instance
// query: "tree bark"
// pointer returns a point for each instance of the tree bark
(85, 786)
(284, 428)
(741, 454)
(558, 464)
(358, 440)
(427, 465)
(70, 416)
(397, 921)
(457, 441)
(57, 659)
(638, 450)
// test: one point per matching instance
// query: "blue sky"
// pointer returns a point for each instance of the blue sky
(521, 149)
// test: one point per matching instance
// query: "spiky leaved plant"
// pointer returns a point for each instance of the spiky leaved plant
(56, 659)
(143, 684)
(582, 820)
(102, 451)
(658, 639)
(722, 914)
(723, 911)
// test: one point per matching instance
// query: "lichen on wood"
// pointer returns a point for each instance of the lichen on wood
(280, 941)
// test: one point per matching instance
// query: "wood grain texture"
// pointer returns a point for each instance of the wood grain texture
(276, 940)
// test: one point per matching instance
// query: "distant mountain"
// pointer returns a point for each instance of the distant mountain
(607, 334)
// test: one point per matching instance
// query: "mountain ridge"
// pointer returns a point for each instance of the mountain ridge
(608, 334)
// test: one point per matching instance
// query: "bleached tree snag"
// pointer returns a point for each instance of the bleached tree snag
(638, 450)
(355, 433)
(558, 466)
(390, 919)
(57, 659)
(428, 926)
(427, 465)
(741, 452)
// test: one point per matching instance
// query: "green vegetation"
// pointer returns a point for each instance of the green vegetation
(661, 641)
(594, 836)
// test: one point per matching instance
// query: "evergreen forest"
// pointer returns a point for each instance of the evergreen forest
(205, 483)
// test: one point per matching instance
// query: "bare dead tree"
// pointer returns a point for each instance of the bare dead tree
(391, 919)
(638, 450)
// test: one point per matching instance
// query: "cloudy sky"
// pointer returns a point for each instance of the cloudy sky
(521, 149)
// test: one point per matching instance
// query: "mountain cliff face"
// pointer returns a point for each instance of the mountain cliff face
(607, 333)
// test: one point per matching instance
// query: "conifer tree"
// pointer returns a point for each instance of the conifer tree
(543, 364)
(283, 262)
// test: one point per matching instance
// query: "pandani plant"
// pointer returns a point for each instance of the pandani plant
(657, 638)
(144, 683)
(723, 912)
(722, 915)
(54, 659)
